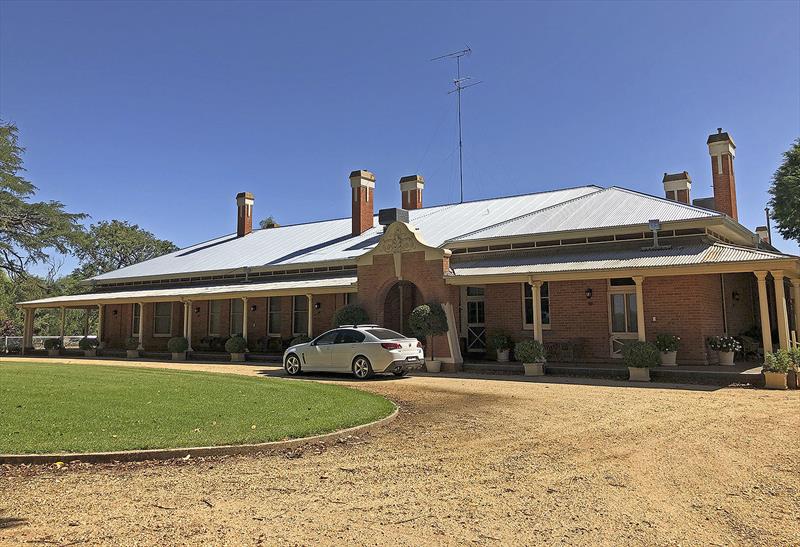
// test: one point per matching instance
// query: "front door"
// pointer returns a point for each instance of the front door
(476, 320)
(623, 320)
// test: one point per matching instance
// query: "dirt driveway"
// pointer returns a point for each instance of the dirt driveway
(469, 460)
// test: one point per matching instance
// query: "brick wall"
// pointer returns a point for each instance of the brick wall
(741, 308)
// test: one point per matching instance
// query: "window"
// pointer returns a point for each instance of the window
(214, 316)
(237, 314)
(385, 334)
(274, 315)
(137, 313)
(528, 304)
(299, 315)
(623, 312)
(350, 298)
(162, 319)
(350, 337)
(327, 338)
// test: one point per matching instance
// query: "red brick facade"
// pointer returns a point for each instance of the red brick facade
(724, 185)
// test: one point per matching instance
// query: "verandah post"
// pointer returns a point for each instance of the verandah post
(766, 331)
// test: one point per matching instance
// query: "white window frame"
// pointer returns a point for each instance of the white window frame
(211, 304)
(135, 314)
(231, 313)
(617, 339)
(270, 330)
(529, 326)
(156, 317)
(295, 311)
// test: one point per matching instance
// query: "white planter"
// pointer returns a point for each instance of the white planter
(502, 355)
(726, 358)
(237, 357)
(534, 369)
(53, 352)
(637, 374)
(90, 353)
(433, 366)
(181, 356)
(133, 354)
(669, 358)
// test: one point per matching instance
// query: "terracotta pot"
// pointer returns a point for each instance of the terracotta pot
(502, 355)
(639, 374)
(433, 366)
(534, 369)
(90, 353)
(180, 356)
(726, 358)
(775, 380)
(237, 357)
(133, 354)
(669, 358)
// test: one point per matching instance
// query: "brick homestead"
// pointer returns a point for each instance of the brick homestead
(585, 268)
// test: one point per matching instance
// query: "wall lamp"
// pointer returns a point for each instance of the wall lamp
(197, 309)
(113, 312)
(736, 296)
(589, 293)
(317, 305)
(253, 307)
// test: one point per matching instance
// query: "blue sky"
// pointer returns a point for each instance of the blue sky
(159, 113)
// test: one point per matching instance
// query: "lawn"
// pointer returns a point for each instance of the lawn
(49, 407)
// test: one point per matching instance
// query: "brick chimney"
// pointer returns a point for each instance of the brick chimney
(763, 234)
(722, 151)
(677, 186)
(411, 189)
(244, 216)
(363, 185)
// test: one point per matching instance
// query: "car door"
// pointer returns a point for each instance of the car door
(317, 356)
(348, 344)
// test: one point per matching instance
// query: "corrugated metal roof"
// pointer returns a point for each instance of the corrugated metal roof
(610, 207)
(331, 239)
(257, 289)
(612, 259)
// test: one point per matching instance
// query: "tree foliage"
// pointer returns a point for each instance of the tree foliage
(428, 320)
(785, 190)
(29, 231)
(110, 245)
(269, 222)
(350, 314)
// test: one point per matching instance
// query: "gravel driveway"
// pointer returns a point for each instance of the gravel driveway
(469, 460)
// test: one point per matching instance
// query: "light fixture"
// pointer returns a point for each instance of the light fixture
(317, 305)
(736, 296)
(197, 309)
(589, 292)
(114, 312)
(253, 307)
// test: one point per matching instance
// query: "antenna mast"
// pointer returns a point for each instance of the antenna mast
(460, 84)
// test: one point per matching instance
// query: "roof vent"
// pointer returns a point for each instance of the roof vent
(389, 216)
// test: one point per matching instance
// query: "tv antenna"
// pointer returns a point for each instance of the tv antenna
(460, 84)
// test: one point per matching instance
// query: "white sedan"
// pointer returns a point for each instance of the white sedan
(359, 349)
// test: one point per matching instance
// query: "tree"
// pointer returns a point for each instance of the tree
(29, 231)
(112, 245)
(350, 314)
(428, 320)
(269, 222)
(785, 190)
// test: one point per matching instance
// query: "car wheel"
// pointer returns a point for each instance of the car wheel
(362, 368)
(400, 373)
(292, 365)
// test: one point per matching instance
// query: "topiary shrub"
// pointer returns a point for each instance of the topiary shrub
(52, 343)
(350, 314)
(428, 320)
(132, 343)
(530, 351)
(177, 344)
(302, 339)
(640, 354)
(667, 342)
(236, 344)
(88, 344)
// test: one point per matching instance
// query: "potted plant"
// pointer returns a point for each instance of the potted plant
(132, 345)
(177, 346)
(502, 343)
(776, 369)
(53, 346)
(727, 346)
(89, 346)
(236, 346)
(533, 356)
(639, 357)
(350, 314)
(667, 345)
(429, 321)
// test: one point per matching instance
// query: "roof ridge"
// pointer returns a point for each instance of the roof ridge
(660, 199)
(599, 190)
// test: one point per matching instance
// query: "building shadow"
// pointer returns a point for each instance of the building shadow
(11, 522)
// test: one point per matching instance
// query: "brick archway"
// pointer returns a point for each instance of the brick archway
(401, 298)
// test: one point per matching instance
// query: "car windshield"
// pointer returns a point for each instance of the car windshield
(385, 334)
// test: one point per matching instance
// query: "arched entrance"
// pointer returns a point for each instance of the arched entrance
(402, 297)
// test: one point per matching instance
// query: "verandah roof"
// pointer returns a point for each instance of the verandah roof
(271, 288)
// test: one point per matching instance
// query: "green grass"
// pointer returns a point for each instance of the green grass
(50, 407)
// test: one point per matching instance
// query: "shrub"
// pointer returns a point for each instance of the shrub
(667, 342)
(52, 343)
(87, 344)
(724, 343)
(268, 344)
(500, 341)
(530, 351)
(428, 320)
(236, 344)
(302, 339)
(177, 344)
(779, 361)
(640, 354)
(132, 343)
(350, 314)
(794, 355)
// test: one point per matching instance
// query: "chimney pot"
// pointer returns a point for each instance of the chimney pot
(362, 183)
(411, 189)
(244, 216)
(678, 186)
